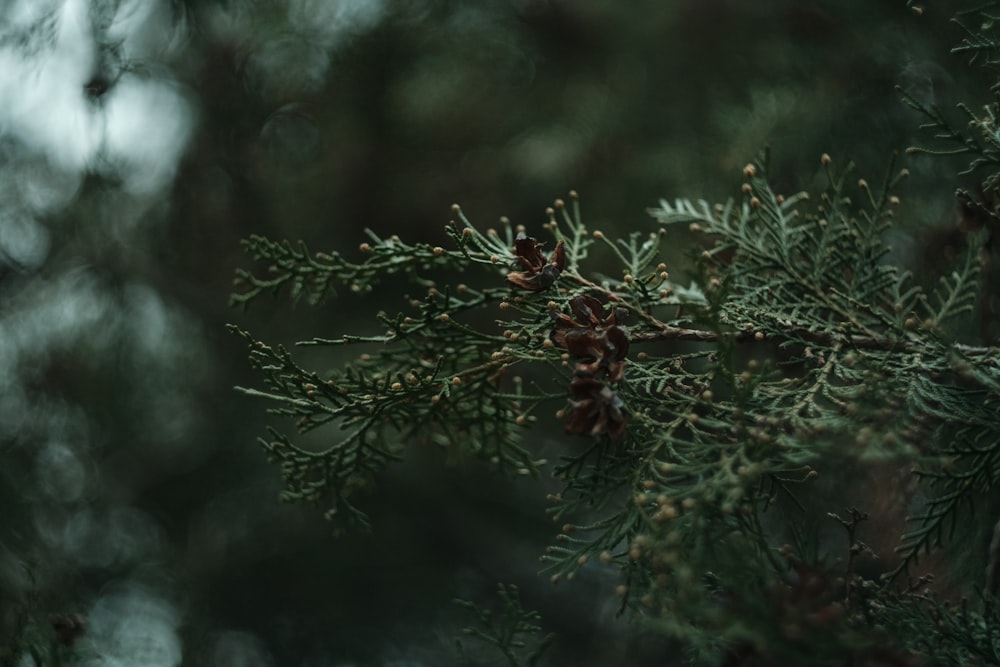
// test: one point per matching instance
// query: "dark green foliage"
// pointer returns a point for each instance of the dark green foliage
(979, 43)
(40, 638)
(699, 416)
(856, 362)
(952, 633)
(511, 630)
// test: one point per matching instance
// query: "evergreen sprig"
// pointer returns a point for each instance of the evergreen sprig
(435, 374)
(512, 630)
(952, 633)
(698, 417)
(978, 43)
(689, 452)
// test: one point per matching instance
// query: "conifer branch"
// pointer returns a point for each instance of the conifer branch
(512, 630)
(706, 448)
(696, 418)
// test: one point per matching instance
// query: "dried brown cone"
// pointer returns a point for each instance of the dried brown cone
(596, 409)
(537, 273)
(588, 313)
(593, 335)
(603, 351)
(595, 338)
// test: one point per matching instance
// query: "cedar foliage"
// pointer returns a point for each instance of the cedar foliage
(702, 418)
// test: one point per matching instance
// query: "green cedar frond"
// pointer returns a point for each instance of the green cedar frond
(434, 375)
(384, 399)
(958, 292)
(950, 633)
(977, 43)
(960, 400)
(985, 147)
(512, 630)
(811, 269)
(803, 346)
(314, 276)
(697, 418)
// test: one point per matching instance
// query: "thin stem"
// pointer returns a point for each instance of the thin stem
(854, 547)
(824, 338)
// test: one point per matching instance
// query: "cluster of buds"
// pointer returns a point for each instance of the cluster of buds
(599, 342)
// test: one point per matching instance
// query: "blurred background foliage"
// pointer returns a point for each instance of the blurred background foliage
(141, 140)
